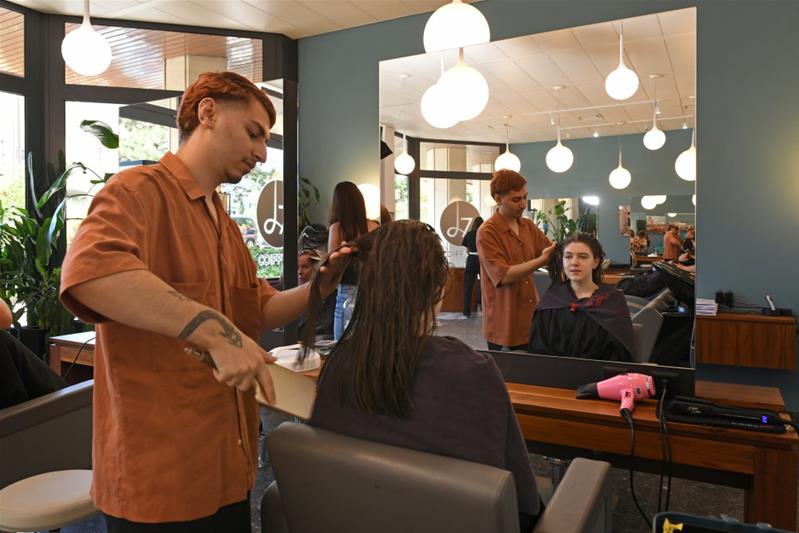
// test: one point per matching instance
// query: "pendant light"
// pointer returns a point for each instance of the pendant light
(403, 163)
(620, 177)
(622, 82)
(659, 198)
(559, 157)
(465, 88)
(654, 139)
(85, 51)
(507, 160)
(685, 165)
(455, 25)
(436, 107)
(648, 202)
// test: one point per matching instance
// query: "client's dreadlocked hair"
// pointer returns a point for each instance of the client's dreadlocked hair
(402, 278)
(555, 267)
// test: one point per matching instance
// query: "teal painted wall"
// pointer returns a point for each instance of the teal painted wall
(652, 173)
(747, 136)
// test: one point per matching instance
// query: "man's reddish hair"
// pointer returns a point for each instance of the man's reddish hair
(221, 86)
(505, 181)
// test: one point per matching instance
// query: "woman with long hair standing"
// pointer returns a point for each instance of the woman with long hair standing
(347, 222)
(391, 380)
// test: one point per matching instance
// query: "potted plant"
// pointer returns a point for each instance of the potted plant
(30, 271)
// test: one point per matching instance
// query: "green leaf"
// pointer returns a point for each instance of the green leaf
(102, 132)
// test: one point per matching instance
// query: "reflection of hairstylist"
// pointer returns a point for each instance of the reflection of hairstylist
(472, 264)
(347, 223)
(5, 315)
(511, 248)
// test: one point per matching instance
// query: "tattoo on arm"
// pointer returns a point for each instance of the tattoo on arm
(179, 296)
(228, 332)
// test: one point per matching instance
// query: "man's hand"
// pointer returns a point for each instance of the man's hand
(330, 273)
(239, 365)
(546, 253)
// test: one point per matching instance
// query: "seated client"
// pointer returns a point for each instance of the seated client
(390, 380)
(579, 316)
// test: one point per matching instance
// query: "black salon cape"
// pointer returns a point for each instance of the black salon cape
(598, 327)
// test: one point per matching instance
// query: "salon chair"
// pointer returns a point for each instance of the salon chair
(335, 483)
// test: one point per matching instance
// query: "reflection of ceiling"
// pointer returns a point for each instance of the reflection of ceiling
(139, 55)
(12, 60)
(565, 69)
(294, 18)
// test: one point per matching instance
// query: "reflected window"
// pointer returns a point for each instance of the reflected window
(12, 151)
(12, 42)
(457, 157)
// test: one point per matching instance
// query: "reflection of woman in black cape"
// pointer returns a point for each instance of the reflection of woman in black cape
(578, 315)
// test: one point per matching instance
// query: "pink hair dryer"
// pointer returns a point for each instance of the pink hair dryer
(624, 387)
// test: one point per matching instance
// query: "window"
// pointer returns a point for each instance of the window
(12, 42)
(256, 202)
(12, 150)
(458, 157)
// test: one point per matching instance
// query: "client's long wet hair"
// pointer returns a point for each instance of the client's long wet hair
(402, 279)
(556, 272)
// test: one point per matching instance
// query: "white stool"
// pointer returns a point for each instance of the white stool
(47, 501)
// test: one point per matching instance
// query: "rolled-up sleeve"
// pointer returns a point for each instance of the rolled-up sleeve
(109, 241)
(491, 254)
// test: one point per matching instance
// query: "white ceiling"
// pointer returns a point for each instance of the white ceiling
(531, 78)
(294, 18)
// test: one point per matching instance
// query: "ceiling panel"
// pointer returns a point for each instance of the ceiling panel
(542, 69)
(341, 12)
(678, 21)
(577, 66)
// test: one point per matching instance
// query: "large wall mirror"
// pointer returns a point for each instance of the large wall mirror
(540, 87)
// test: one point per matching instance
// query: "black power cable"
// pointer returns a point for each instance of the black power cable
(665, 444)
(75, 360)
(629, 417)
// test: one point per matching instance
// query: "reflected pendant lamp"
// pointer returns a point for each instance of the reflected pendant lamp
(455, 25)
(559, 158)
(648, 202)
(622, 82)
(84, 50)
(437, 109)
(685, 165)
(507, 160)
(403, 163)
(620, 177)
(654, 139)
(465, 88)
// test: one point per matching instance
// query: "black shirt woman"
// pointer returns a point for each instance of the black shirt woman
(579, 316)
(391, 380)
(472, 265)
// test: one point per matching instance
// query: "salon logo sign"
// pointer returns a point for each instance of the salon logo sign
(270, 213)
(456, 219)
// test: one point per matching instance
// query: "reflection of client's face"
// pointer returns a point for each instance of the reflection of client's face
(579, 262)
(305, 268)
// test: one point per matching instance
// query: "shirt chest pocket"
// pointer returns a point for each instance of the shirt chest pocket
(167, 354)
(246, 304)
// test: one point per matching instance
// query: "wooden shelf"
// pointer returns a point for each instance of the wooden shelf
(746, 340)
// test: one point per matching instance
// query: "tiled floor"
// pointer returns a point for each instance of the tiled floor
(686, 496)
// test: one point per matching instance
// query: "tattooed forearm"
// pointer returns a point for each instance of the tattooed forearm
(179, 296)
(228, 332)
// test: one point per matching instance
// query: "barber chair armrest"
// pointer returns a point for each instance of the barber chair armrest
(581, 503)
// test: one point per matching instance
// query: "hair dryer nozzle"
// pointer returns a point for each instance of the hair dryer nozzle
(587, 391)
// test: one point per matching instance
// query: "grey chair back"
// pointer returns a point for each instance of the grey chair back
(52, 432)
(335, 483)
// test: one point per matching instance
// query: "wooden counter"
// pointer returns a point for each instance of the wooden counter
(748, 340)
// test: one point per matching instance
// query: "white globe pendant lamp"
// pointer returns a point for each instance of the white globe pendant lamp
(436, 107)
(507, 159)
(559, 158)
(455, 25)
(685, 165)
(622, 82)
(648, 202)
(84, 50)
(403, 163)
(654, 139)
(693, 198)
(465, 88)
(659, 198)
(620, 177)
